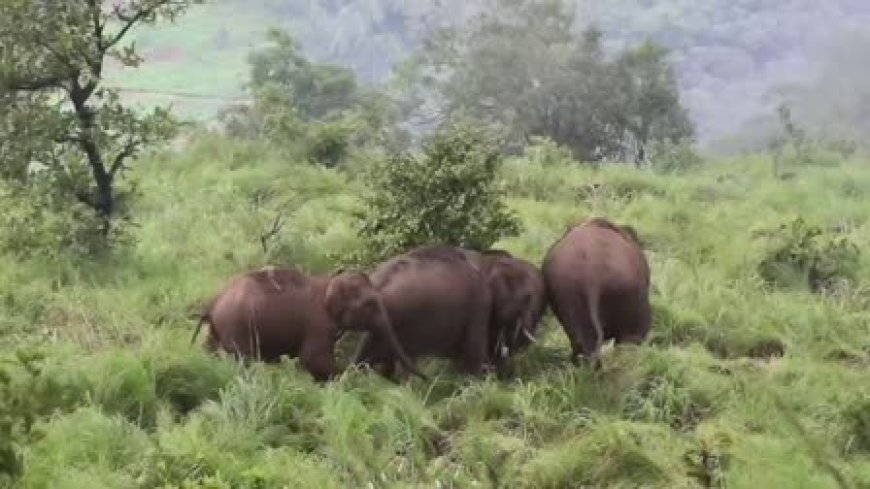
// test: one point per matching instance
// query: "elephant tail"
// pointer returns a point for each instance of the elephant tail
(593, 300)
(203, 316)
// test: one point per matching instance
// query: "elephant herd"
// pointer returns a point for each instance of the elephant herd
(476, 308)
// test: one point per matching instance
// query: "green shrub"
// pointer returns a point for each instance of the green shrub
(448, 195)
(87, 449)
(669, 157)
(188, 381)
(809, 255)
(39, 221)
(858, 427)
(17, 416)
(327, 143)
(663, 394)
(610, 454)
(545, 152)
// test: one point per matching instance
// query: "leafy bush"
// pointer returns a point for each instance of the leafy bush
(38, 221)
(810, 255)
(795, 148)
(858, 417)
(670, 157)
(327, 142)
(26, 394)
(664, 396)
(543, 151)
(448, 195)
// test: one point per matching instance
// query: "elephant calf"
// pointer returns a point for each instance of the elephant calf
(267, 313)
(597, 279)
(519, 300)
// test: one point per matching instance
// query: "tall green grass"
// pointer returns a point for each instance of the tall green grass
(742, 384)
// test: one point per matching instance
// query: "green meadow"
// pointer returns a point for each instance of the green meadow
(745, 381)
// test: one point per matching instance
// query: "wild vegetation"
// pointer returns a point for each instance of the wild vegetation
(742, 383)
(756, 372)
(731, 58)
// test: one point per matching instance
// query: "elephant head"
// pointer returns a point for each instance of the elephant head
(518, 300)
(355, 304)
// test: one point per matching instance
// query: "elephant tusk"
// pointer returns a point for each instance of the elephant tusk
(504, 352)
(530, 336)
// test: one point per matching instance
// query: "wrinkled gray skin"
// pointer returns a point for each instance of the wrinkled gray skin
(439, 306)
(598, 279)
(519, 301)
(267, 313)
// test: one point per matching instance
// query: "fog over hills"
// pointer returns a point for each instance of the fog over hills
(731, 55)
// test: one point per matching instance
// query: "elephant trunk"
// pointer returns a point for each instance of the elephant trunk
(384, 328)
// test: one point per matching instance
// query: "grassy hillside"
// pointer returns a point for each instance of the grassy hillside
(121, 399)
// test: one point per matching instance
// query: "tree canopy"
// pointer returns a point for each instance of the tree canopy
(521, 65)
(52, 61)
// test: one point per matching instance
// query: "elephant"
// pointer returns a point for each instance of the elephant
(439, 305)
(598, 280)
(519, 300)
(270, 312)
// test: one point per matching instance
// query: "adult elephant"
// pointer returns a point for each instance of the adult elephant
(439, 305)
(267, 313)
(597, 279)
(519, 300)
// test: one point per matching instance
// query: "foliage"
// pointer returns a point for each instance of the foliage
(819, 258)
(519, 64)
(17, 415)
(122, 399)
(318, 91)
(40, 220)
(52, 53)
(650, 110)
(667, 157)
(318, 104)
(449, 194)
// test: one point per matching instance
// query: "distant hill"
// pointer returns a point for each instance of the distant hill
(729, 53)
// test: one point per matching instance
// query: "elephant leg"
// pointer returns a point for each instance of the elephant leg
(577, 322)
(475, 355)
(373, 354)
(318, 358)
(566, 315)
(633, 321)
(387, 369)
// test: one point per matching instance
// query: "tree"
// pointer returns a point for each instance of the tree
(448, 195)
(317, 106)
(317, 90)
(521, 65)
(53, 57)
(649, 108)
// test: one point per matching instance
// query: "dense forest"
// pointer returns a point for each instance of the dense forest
(169, 162)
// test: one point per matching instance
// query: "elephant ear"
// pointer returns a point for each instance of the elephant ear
(335, 297)
(345, 291)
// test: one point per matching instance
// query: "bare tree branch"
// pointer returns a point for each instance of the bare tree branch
(131, 20)
(128, 151)
(277, 226)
